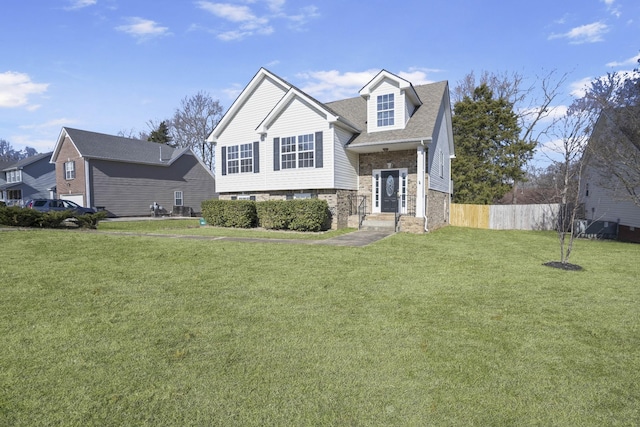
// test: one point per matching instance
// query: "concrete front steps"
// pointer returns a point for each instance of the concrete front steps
(379, 222)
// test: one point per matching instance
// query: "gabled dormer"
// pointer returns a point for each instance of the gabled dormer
(391, 101)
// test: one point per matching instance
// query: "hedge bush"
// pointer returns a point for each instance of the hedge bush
(298, 215)
(230, 213)
(275, 214)
(309, 214)
(16, 216)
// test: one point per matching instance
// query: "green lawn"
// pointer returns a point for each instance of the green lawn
(455, 328)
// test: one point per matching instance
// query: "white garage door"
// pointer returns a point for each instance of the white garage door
(79, 199)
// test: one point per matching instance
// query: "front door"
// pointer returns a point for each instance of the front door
(390, 181)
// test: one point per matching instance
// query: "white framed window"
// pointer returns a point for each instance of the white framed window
(305, 151)
(178, 198)
(386, 110)
(376, 191)
(69, 170)
(441, 163)
(246, 158)
(233, 162)
(288, 152)
(14, 176)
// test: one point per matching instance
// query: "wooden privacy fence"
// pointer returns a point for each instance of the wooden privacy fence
(505, 217)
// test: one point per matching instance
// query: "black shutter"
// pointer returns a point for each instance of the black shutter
(256, 158)
(318, 155)
(276, 154)
(224, 160)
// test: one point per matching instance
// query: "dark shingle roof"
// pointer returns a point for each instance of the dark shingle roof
(95, 145)
(421, 124)
(26, 161)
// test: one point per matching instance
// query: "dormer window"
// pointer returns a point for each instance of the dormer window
(385, 110)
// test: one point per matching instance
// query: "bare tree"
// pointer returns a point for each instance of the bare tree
(193, 122)
(572, 132)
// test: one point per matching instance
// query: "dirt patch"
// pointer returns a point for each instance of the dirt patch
(563, 266)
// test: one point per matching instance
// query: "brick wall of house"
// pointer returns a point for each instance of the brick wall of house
(386, 160)
(74, 186)
(437, 209)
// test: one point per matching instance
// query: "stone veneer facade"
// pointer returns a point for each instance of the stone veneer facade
(343, 202)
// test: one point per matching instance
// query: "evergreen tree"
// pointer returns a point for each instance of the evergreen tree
(490, 156)
(161, 134)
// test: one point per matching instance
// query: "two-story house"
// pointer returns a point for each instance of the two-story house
(385, 151)
(126, 177)
(30, 178)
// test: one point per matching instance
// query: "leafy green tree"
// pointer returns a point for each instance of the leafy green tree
(161, 134)
(490, 155)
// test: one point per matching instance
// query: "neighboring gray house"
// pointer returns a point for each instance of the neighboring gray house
(383, 153)
(30, 178)
(127, 176)
(612, 173)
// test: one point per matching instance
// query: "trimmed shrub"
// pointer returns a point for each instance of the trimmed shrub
(309, 214)
(53, 219)
(90, 220)
(16, 216)
(275, 214)
(230, 213)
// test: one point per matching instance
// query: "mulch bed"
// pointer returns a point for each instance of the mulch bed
(563, 266)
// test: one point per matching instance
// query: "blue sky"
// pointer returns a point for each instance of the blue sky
(113, 65)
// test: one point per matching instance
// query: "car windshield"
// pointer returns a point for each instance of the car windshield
(70, 204)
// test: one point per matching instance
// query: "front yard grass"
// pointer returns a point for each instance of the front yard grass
(191, 227)
(457, 327)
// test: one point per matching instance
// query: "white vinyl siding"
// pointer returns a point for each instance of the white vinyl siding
(603, 205)
(297, 119)
(346, 162)
(440, 173)
(385, 88)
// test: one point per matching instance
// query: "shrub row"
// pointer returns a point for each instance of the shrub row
(22, 217)
(298, 215)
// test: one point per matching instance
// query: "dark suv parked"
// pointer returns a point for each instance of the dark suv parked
(46, 205)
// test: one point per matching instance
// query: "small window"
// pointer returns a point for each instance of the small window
(288, 150)
(305, 151)
(178, 198)
(386, 108)
(246, 158)
(69, 170)
(586, 193)
(441, 160)
(233, 163)
(14, 176)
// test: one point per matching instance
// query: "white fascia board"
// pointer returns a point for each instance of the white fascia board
(241, 100)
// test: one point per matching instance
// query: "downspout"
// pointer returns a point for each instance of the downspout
(425, 189)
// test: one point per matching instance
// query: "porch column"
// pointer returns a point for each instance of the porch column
(420, 175)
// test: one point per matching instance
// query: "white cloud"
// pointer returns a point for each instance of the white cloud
(627, 62)
(80, 4)
(16, 88)
(333, 85)
(589, 33)
(612, 7)
(229, 12)
(249, 23)
(579, 88)
(143, 29)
